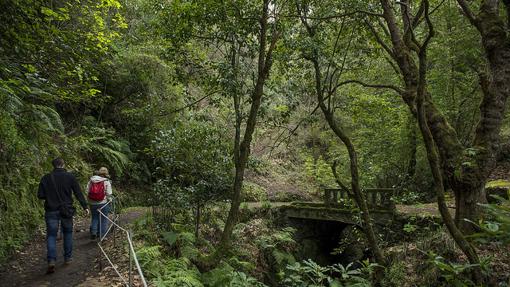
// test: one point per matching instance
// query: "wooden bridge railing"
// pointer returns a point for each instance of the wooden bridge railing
(377, 198)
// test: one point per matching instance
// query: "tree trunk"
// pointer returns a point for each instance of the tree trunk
(433, 157)
(197, 220)
(467, 209)
(353, 158)
(434, 163)
(241, 158)
(359, 197)
(495, 88)
(413, 144)
(443, 147)
(356, 189)
(445, 138)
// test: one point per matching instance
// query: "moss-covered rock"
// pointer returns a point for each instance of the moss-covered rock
(499, 187)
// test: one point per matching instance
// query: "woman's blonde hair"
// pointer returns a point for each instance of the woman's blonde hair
(103, 171)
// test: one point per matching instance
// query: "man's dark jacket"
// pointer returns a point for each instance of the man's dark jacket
(66, 184)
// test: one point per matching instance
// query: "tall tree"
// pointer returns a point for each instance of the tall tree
(450, 168)
(465, 168)
(493, 24)
(267, 40)
(326, 78)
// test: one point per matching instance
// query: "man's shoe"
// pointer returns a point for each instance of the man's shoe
(51, 268)
(93, 237)
(68, 261)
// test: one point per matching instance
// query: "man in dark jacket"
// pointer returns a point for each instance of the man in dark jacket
(56, 189)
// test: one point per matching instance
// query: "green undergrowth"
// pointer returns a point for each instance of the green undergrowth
(174, 257)
(261, 255)
(428, 256)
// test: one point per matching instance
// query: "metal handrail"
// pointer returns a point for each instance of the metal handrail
(132, 253)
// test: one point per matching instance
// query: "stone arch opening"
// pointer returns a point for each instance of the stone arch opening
(319, 238)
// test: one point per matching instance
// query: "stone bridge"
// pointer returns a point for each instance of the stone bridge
(339, 206)
(324, 227)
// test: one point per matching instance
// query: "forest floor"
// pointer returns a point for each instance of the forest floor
(28, 266)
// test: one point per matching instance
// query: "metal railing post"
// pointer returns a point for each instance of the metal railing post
(132, 254)
(113, 226)
(100, 215)
(130, 263)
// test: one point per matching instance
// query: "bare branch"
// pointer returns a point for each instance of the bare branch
(277, 143)
(337, 178)
(337, 40)
(378, 86)
(437, 7)
(188, 105)
(430, 27)
(417, 18)
(337, 16)
(406, 19)
(383, 27)
(393, 66)
(379, 39)
(331, 89)
(469, 14)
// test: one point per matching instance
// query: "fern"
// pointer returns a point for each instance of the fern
(10, 101)
(226, 276)
(100, 144)
(47, 117)
(310, 274)
(495, 228)
(240, 279)
(277, 248)
(168, 272)
(220, 276)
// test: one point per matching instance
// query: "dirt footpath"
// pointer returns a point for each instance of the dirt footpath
(28, 266)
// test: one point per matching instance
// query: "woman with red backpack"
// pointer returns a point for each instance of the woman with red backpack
(99, 189)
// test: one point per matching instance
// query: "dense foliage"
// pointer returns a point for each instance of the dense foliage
(198, 105)
(49, 69)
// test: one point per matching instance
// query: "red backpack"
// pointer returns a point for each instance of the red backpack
(96, 191)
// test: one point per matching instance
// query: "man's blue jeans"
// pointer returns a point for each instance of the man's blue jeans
(53, 219)
(97, 218)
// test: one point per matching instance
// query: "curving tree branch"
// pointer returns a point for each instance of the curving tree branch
(379, 86)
